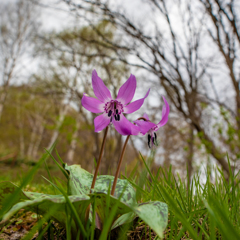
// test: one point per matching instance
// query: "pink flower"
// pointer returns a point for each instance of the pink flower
(146, 126)
(113, 109)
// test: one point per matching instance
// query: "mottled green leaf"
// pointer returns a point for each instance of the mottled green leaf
(80, 182)
(123, 219)
(154, 214)
(45, 202)
(42, 203)
(122, 206)
(123, 189)
(34, 195)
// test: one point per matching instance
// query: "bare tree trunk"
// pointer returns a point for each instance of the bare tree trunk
(2, 102)
(73, 144)
(17, 23)
(21, 134)
(39, 139)
(59, 123)
(37, 124)
(32, 138)
(190, 154)
(211, 148)
(40, 126)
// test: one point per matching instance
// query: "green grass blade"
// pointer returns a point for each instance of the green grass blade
(72, 208)
(11, 199)
(60, 167)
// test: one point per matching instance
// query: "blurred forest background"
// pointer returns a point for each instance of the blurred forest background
(185, 50)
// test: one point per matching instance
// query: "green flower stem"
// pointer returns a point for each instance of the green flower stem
(119, 165)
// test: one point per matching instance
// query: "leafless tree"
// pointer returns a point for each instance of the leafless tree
(176, 46)
(17, 25)
(69, 62)
(224, 30)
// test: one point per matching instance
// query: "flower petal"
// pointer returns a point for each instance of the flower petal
(165, 112)
(145, 116)
(125, 127)
(144, 126)
(92, 104)
(99, 88)
(134, 106)
(127, 90)
(100, 122)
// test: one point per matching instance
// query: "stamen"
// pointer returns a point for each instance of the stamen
(155, 139)
(149, 140)
(110, 113)
(113, 108)
(116, 118)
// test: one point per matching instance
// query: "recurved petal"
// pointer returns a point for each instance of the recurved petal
(92, 104)
(145, 116)
(127, 90)
(99, 88)
(144, 126)
(134, 106)
(165, 112)
(125, 127)
(100, 122)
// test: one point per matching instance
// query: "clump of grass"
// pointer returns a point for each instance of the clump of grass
(207, 210)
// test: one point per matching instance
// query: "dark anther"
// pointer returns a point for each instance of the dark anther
(111, 119)
(110, 113)
(155, 139)
(149, 140)
(117, 117)
(116, 111)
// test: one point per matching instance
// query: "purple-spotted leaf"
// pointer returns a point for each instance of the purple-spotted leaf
(80, 183)
(154, 214)
(42, 203)
(123, 219)
(123, 204)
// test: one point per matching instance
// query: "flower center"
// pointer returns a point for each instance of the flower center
(113, 109)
